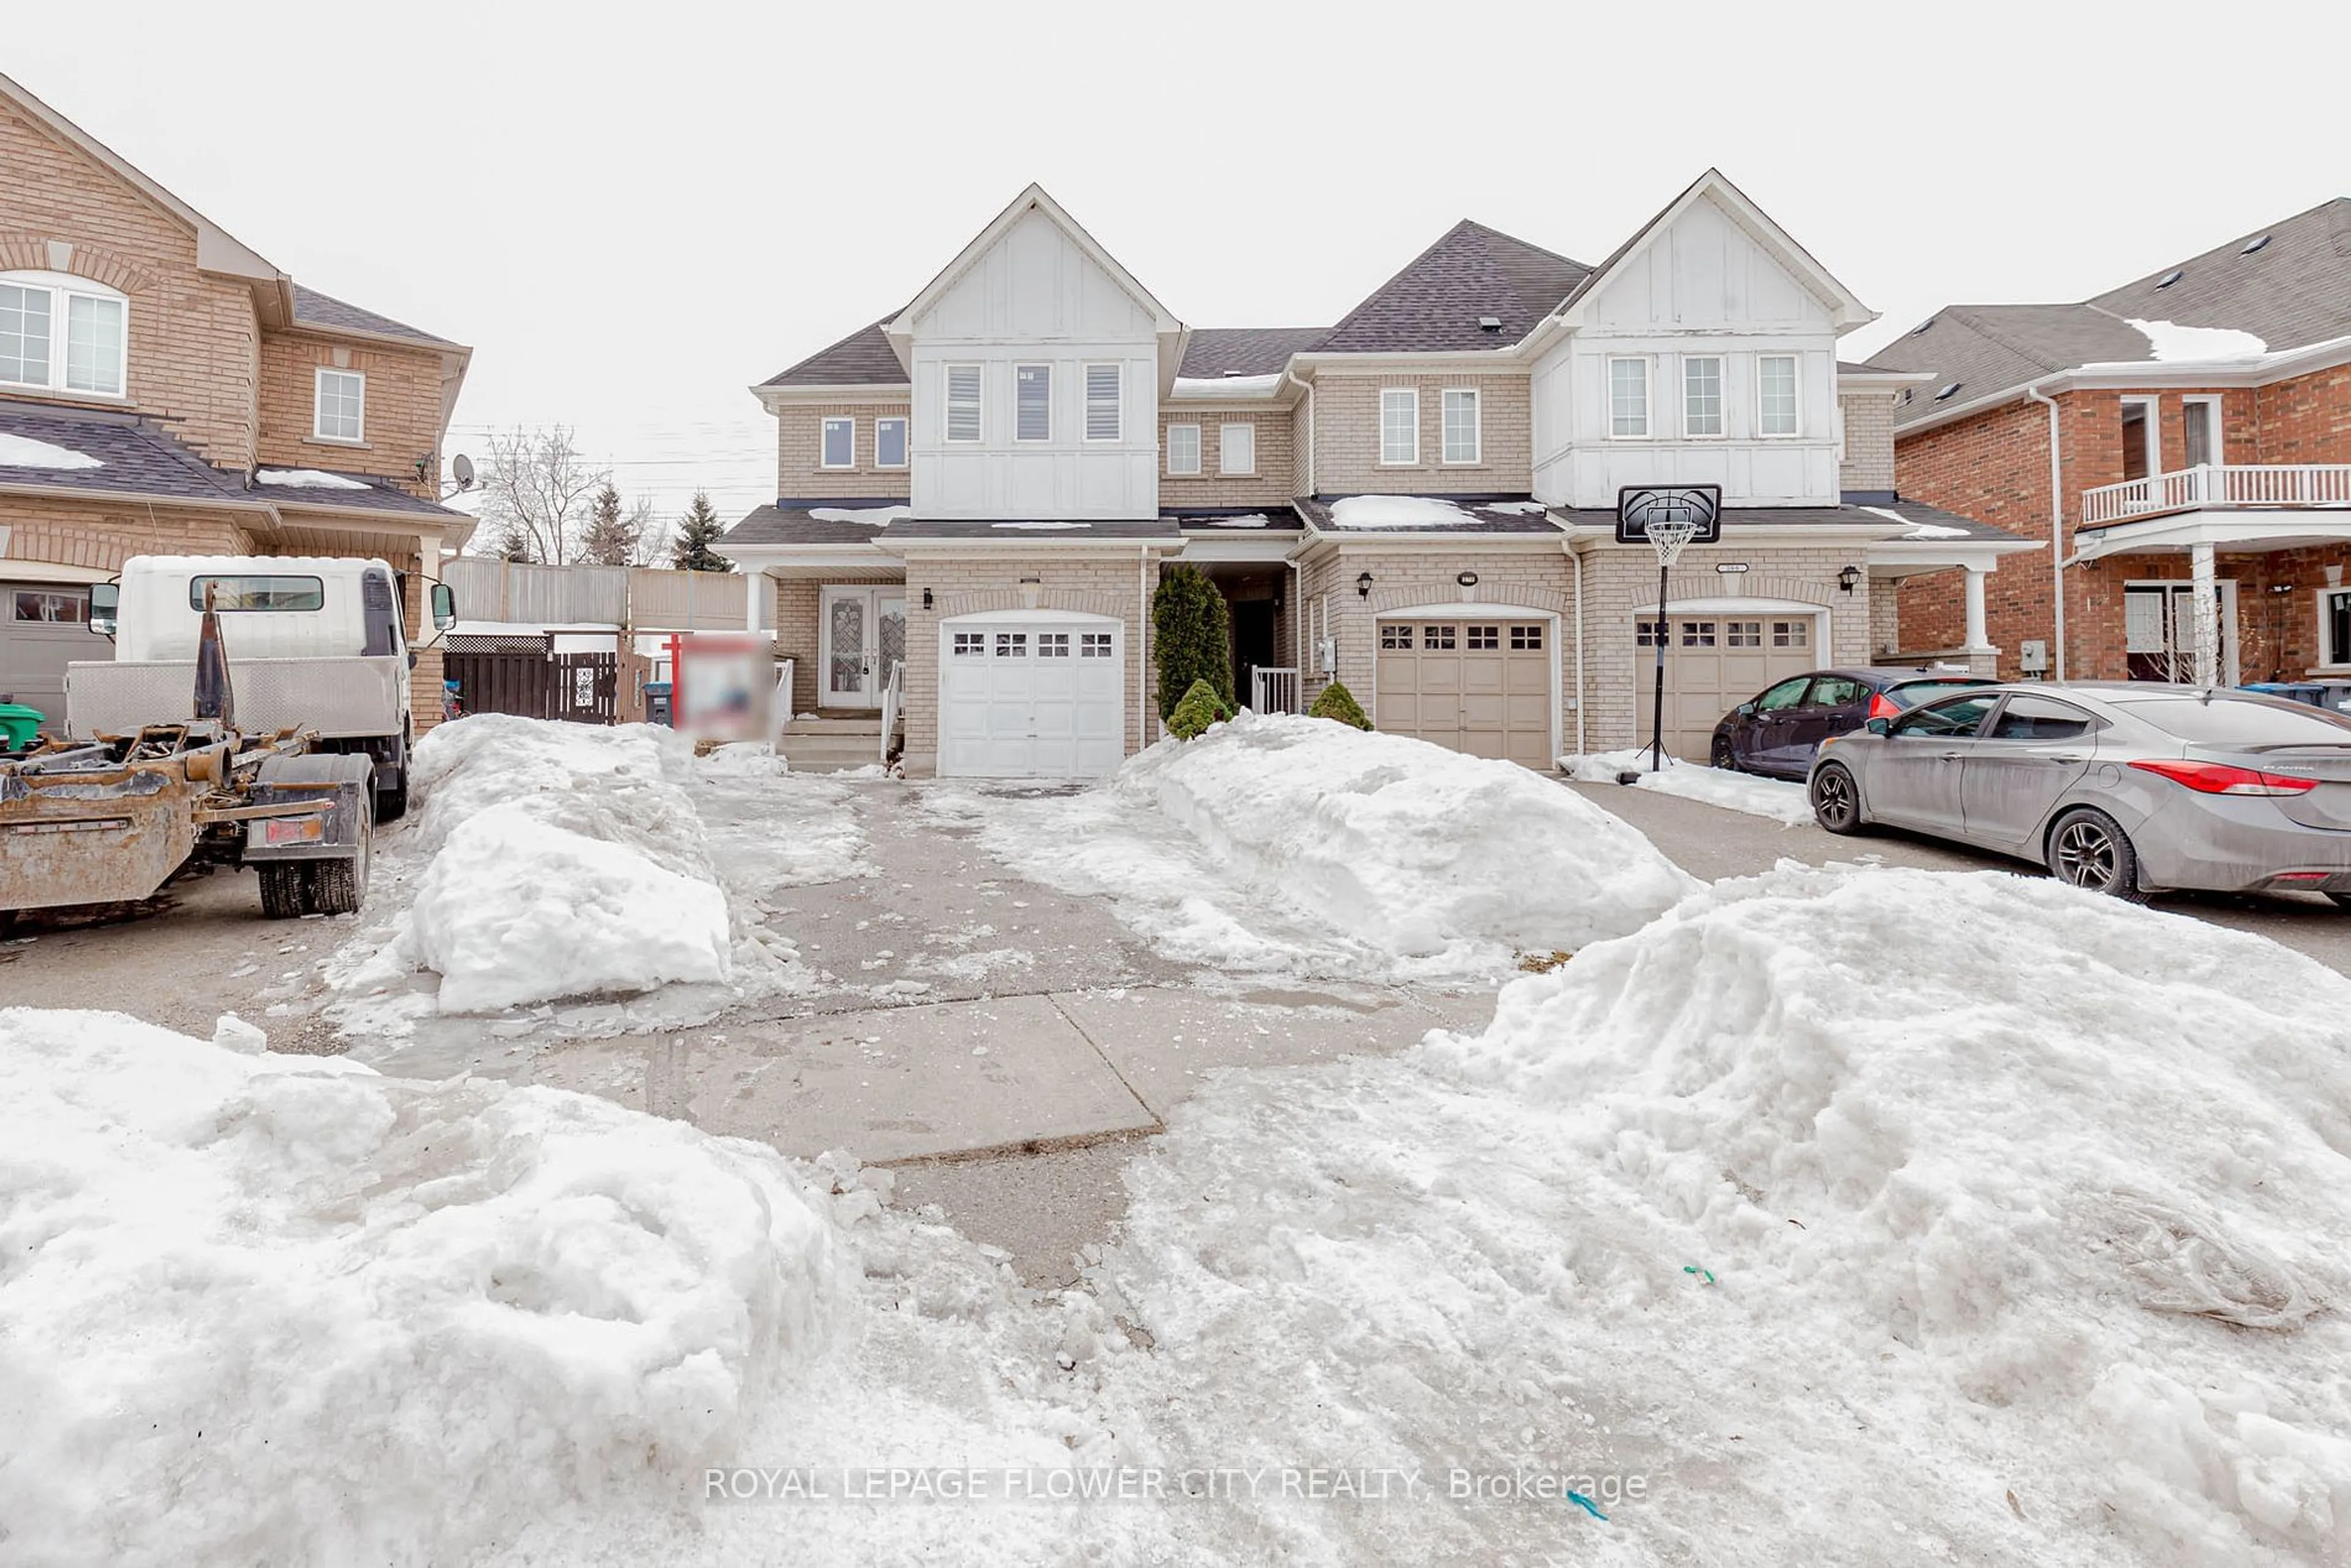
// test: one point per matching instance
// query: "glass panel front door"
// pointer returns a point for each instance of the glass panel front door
(891, 639)
(847, 663)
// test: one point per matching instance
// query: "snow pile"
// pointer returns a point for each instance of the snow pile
(308, 479)
(1398, 512)
(1780, 800)
(1197, 388)
(24, 452)
(1041, 525)
(871, 516)
(1280, 841)
(1966, 1214)
(2169, 343)
(279, 1309)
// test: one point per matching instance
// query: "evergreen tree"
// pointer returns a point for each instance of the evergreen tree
(697, 533)
(1196, 712)
(1192, 633)
(611, 538)
(512, 542)
(1336, 702)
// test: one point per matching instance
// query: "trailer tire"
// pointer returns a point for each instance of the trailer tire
(285, 888)
(338, 886)
(391, 801)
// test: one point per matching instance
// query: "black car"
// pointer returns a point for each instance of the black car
(1778, 730)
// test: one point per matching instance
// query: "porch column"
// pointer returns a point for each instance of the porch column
(1978, 636)
(758, 602)
(2208, 616)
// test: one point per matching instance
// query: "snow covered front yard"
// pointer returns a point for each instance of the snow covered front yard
(1276, 843)
(1779, 800)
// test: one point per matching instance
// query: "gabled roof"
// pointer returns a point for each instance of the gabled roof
(864, 358)
(1034, 199)
(2290, 292)
(312, 309)
(1434, 305)
(1215, 351)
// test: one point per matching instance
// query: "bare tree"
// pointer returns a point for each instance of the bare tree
(537, 494)
(651, 534)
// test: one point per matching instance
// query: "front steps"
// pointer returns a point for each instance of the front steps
(834, 742)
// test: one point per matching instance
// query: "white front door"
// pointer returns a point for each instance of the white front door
(1031, 695)
(864, 632)
(2159, 631)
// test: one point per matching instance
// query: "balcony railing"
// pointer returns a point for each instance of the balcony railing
(2220, 484)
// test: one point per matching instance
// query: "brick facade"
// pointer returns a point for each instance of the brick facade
(1867, 461)
(1270, 480)
(799, 448)
(799, 632)
(1347, 436)
(400, 421)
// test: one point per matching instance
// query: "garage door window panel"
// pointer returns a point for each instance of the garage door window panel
(1012, 644)
(1742, 633)
(1527, 639)
(1698, 634)
(1438, 638)
(970, 645)
(1792, 634)
(1394, 636)
(50, 606)
(1094, 644)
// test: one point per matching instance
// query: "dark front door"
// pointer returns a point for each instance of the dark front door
(1252, 642)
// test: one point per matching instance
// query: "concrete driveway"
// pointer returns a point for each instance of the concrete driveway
(1711, 841)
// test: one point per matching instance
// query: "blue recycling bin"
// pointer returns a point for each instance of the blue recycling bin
(2335, 696)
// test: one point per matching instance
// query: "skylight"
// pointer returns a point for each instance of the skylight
(2168, 279)
(1922, 327)
(2255, 244)
(1943, 392)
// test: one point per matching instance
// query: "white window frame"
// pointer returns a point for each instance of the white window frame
(1445, 427)
(1225, 468)
(1193, 471)
(1117, 402)
(2220, 433)
(318, 431)
(1411, 396)
(2342, 660)
(905, 438)
(1648, 398)
(2152, 425)
(1018, 439)
(63, 288)
(978, 404)
(1721, 400)
(1763, 430)
(824, 441)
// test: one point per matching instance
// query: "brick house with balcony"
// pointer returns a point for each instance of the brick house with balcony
(979, 492)
(164, 388)
(2200, 491)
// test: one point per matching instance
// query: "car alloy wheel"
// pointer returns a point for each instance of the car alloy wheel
(1724, 758)
(2088, 849)
(1836, 800)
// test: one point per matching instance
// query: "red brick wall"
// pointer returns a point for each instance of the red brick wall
(2305, 420)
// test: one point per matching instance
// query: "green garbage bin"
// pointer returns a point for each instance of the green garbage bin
(18, 726)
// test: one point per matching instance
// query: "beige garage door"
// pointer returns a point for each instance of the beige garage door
(1478, 687)
(1714, 663)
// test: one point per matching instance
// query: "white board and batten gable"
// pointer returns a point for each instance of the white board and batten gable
(1710, 280)
(1035, 291)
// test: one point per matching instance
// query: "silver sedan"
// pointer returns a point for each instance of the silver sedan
(2124, 788)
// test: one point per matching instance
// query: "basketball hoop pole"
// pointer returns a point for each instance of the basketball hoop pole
(1657, 698)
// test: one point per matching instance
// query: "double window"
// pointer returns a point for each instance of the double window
(1182, 449)
(339, 406)
(63, 332)
(837, 443)
(1461, 432)
(1628, 398)
(1399, 427)
(1236, 449)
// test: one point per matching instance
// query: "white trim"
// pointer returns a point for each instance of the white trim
(2153, 440)
(1039, 617)
(1780, 607)
(1386, 461)
(1477, 457)
(2319, 597)
(1224, 470)
(2234, 529)
(823, 440)
(1473, 610)
(1796, 384)
(317, 405)
(905, 440)
(1648, 397)
(947, 437)
(1200, 449)
(1721, 432)
(2217, 457)
(63, 288)
(870, 594)
(1086, 370)
(2231, 634)
(1046, 366)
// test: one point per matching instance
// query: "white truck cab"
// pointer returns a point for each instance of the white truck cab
(314, 643)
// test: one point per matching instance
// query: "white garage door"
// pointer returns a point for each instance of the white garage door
(1713, 662)
(1480, 686)
(1032, 698)
(44, 626)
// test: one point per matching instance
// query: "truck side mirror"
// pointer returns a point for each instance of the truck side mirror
(444, 607)
(105, 602)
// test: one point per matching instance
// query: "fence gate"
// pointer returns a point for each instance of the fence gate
(499, 673)
(583, 687)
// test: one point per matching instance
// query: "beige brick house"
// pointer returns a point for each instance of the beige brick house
(978, 493)
(164, 388)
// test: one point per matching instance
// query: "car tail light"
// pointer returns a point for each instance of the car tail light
(1883, 706)
(2220, 779)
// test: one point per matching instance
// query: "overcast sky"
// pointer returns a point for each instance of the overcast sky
(632, 212)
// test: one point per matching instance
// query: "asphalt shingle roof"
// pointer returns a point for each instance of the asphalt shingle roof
(319, 309)
(864, 358)
(1434, 304)
(1482, 513)
(1214, 351)
(1915, 513)
(136, 457)
(380, 496)
(793, 523)
(2294, 290)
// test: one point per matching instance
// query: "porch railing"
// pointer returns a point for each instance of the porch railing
(783, 713)
(891, 696)
(1274, 691)
(2220, 484)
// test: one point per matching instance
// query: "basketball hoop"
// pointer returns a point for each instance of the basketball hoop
(1668, 535)
(1670, 531)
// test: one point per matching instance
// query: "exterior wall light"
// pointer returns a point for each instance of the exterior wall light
(1363, 585)
(1847, 577)
(926, 598)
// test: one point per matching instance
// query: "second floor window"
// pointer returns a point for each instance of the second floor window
(1399, 426)
(1103, 421)
(1461, 435)
(1236, 449)
(888, 443)
(963, 402)
(1183, 449)
(1702, 396)
(1775, 394)
(62, 332)
(341, 413)
(1629, 398)
(1032, 402)
(839, 450)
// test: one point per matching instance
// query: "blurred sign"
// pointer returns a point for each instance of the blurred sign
(720, 685)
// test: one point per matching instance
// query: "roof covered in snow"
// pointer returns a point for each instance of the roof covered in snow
(1920, 520)
(2287, 285)
(802, 522)
(1375, 514)
(312, 309)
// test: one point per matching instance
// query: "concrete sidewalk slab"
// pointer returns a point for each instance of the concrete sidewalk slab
(904, 1083)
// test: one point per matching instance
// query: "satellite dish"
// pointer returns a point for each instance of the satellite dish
(463, 468)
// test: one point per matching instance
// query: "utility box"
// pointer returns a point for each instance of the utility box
(2033, 657)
